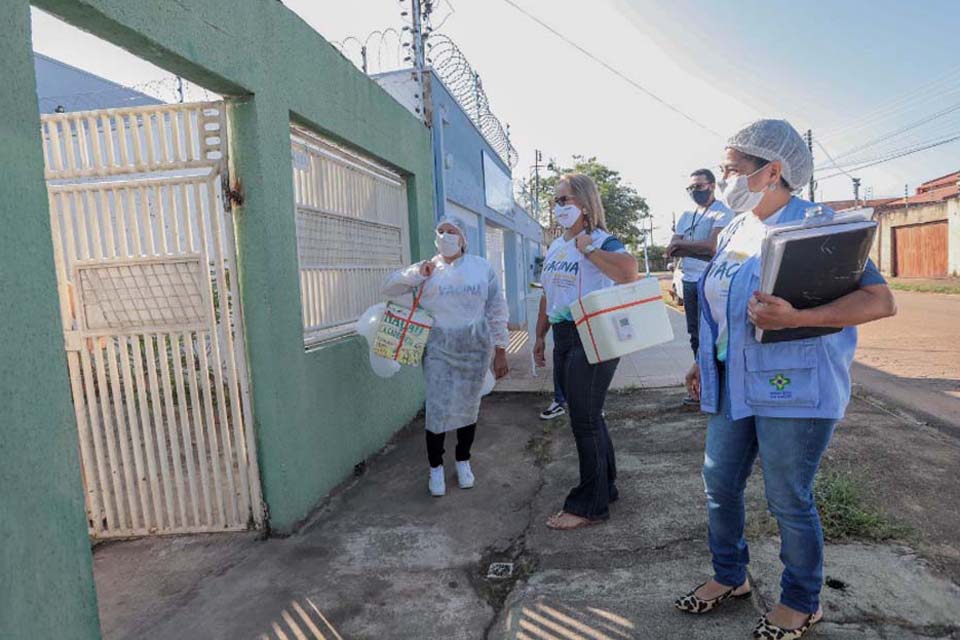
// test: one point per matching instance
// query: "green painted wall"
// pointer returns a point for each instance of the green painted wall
(46, 589)
(317, 414)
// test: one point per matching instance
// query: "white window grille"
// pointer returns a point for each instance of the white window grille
(352, 231)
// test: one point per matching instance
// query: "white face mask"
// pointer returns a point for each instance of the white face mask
(737, 194)
(448, 244)
(567, 215)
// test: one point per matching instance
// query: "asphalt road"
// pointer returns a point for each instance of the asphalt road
(913, 359)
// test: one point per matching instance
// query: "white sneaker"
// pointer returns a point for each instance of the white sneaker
(555, 410)
(438, 486)
(465, 475)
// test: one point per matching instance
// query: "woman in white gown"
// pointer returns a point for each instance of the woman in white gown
(462, 292)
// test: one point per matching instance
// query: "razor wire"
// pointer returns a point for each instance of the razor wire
(456, 73)
(387, 50)
(164, 90)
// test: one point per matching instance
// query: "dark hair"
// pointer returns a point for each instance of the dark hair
(706, 174)
(761, 163)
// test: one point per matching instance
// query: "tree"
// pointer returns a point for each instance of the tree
(623, 206)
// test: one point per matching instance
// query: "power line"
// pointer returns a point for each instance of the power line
(945, 133)
(612, 69)
(830, 158)
(902, 154)
(902, 130)
(925, 92)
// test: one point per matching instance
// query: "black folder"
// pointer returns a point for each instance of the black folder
(812, 265)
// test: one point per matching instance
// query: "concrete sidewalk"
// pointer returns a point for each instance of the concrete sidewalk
(665, 365)
(385, 560)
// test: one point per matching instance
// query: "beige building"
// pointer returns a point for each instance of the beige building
(919, 236)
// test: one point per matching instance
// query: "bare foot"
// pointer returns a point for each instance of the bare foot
(564, 521)
(714, 589)
(787, 618)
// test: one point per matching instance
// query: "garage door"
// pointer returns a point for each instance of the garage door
(921, 250)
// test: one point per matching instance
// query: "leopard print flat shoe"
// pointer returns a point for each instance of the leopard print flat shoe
(765, 630)
(691, 603)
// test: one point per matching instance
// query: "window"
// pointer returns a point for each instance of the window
(352, 230)
(498, 186)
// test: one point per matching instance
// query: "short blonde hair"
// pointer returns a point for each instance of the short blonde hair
(585, 190)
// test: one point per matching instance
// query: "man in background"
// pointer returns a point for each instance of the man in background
(694, 242)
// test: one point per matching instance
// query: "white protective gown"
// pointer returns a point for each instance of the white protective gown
(470, 318)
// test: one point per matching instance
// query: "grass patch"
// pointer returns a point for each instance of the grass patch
(845, 513)
(926, 288)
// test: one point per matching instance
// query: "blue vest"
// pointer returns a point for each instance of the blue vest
(796, 379)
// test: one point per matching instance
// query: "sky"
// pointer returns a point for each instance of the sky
(878, 74)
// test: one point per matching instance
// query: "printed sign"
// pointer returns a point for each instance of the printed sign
(402, 334)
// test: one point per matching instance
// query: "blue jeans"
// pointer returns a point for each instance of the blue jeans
(585, 387)
(691, 308)
(790, 450)
(557, 388)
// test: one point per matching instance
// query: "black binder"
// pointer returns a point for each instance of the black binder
(811, 265)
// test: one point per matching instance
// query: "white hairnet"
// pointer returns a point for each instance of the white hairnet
(777, 140)
(458, 223)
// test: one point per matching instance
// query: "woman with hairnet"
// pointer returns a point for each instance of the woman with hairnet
(462, 293)
(780, 400)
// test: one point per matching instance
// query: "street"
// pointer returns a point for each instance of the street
(913, 359)
(383, 559)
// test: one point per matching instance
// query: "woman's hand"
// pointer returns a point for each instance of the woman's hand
(540, 352)
(500, 368)
(770, 313)
(583, 241)
(426, 268)
(693, 381)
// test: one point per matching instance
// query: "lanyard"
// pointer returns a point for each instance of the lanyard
(696, 220)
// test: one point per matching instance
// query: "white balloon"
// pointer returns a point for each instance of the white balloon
(383, 367)
(488, 383)
(367, 323)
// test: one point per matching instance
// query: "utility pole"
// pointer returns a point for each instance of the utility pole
(906, 197)
(646, 243)
(856, 191)
(477, 90)
(363, 57)
(417, 24)
(537, 159)
(417, 55)
(810, 147)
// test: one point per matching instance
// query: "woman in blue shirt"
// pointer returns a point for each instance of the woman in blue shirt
(779, 400)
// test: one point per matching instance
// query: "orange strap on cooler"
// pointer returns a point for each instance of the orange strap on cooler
(587, 316)
(409, 320)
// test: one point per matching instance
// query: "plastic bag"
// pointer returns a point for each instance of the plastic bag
(367, 327)
(488, 383)
(383, 367)
(367, 323)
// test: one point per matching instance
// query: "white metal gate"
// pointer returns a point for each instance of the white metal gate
(146, 266)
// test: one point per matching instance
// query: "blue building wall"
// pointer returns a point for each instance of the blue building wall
(462, 147)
